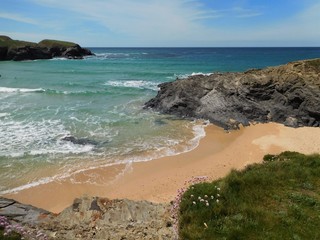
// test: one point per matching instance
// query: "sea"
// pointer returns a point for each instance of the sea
(98, 102)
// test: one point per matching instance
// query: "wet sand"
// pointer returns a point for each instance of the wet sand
(159, 180)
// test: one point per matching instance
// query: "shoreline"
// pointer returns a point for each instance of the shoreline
(158, 180)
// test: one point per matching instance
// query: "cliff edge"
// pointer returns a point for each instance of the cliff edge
(288, 94)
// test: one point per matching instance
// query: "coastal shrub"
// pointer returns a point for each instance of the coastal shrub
(279, 199)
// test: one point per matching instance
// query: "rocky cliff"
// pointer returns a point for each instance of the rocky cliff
(288, 94)
(20, 50)
(94, 218)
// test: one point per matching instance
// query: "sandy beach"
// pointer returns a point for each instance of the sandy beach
(158, 180)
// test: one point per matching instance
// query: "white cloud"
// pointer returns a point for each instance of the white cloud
(183, 23)
(245, 13)
(299, 30)
(143, 20)
(18, 18)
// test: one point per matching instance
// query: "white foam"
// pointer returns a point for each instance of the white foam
(134, 84)
(28, 185)
(173, 147)
(110, 55)
(184, 76)
(200, 73)
(36, 137)
(59, 59)
(20, 90)
(4, 115)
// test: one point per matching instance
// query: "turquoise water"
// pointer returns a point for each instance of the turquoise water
(100, 100)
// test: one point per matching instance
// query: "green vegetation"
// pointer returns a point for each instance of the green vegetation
(11, 236)
(5, 41)
(315, 63)
(55, 43)
(279, 199)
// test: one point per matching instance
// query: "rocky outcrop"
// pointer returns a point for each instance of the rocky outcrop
(288, 94)
(19, 50)
(96, 218)
(23, 214)
(27, 53)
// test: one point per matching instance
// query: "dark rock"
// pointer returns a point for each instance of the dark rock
(3, 53)
(28, 53)
(46, 49)
(79, 141)
(73, 52)
(288, 94)
(22, 213)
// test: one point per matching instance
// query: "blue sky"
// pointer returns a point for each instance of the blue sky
(164, 23)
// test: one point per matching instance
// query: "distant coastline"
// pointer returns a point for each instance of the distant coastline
(17, 50)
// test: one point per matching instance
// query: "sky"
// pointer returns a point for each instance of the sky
(164, 23)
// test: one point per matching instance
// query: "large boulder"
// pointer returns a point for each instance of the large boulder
(75, 52)
(288, 94)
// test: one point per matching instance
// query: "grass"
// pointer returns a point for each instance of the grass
(55, 43)
(6, 41)
(315, 63)
(11, 236)
(10, 43)
(279, 199)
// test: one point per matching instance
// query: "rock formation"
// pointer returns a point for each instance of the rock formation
(288, 94)
(95, 218)
(20, 50)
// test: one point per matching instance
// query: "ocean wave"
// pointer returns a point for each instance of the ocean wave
(41, 90)
(4, 114)
(20, 90)
(80, 92)
(28, 185)
(117, 55)
(134, 84)
(184, 76)
(22, 138)
(59, 59)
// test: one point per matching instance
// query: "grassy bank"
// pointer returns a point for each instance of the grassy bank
(279, 199)
(6, 41)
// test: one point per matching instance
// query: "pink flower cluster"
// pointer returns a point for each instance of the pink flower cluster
(16, 228)
(178, 198)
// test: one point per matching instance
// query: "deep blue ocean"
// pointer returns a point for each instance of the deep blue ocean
(99, 100)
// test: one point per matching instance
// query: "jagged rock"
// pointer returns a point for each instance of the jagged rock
(22, 213)
(288, 94)
(96, 218)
